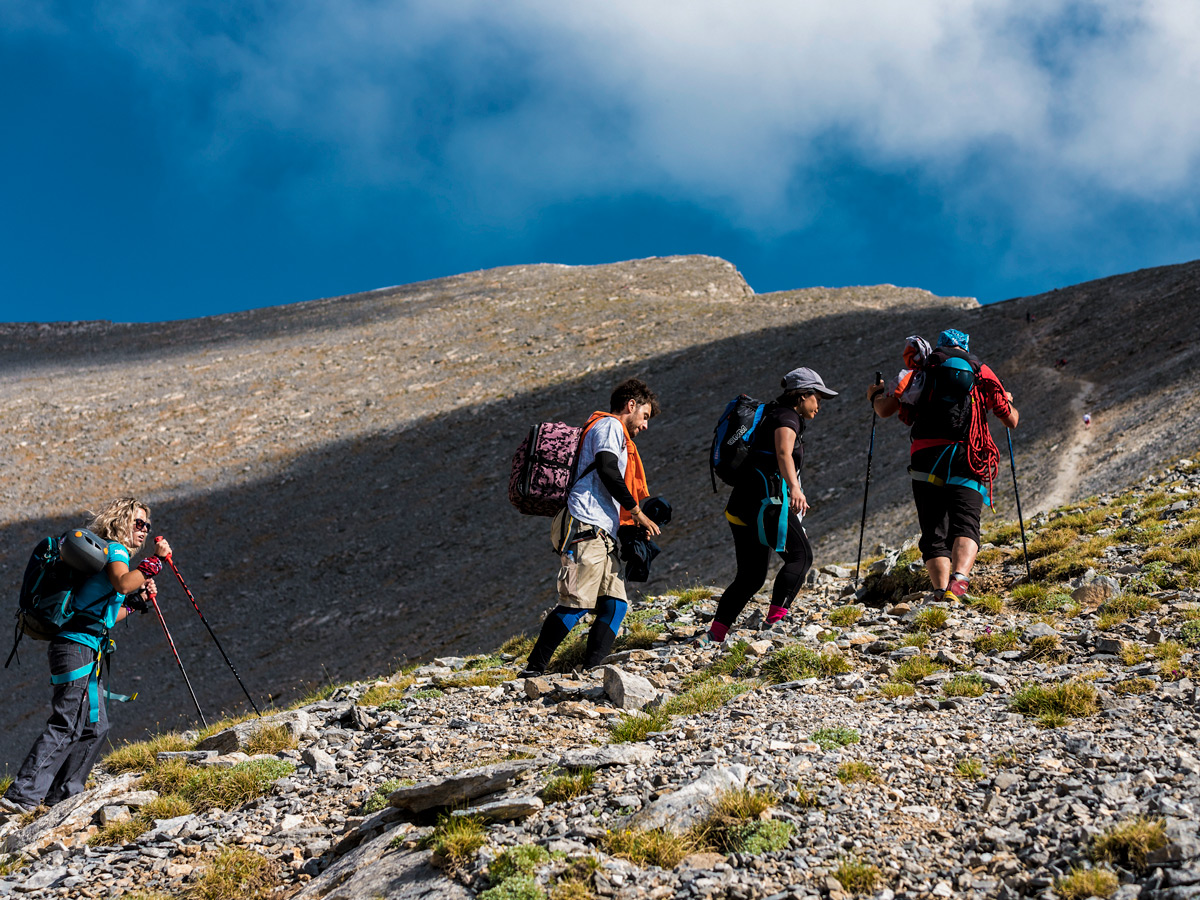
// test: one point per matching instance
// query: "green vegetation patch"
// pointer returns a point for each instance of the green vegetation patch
(456, 838)
(271, 739)
(379, 797)
(519, 887)
(915, 668)
(633, 727)
(969, 767)
(856, 771)
(997, 641)
(830, 738)
(524, 859)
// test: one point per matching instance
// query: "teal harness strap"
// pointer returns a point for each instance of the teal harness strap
(91, 671)
(957, 480)
(769, 503)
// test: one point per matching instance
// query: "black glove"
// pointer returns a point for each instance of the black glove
(137, 602)
(150, 566)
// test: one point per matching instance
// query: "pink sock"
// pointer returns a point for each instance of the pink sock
(775, 613)
(717, 631)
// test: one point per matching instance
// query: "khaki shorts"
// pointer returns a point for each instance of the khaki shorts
(591, 569)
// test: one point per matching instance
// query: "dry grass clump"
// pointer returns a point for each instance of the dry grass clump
(1046, 647)
(1079, 884)
(118, 834)
(143, 755)
(739, 823)
(209, 788)
(235, 873)
(637, 726)
(12, 862)
(857, 877)
(648, 848)
(1134, 686)
(894, 689)
(917, 639)
(569, 785)
(684, 597)
(478, 678)
(379, 694)
(271, 739)
(856, 771)
(969, 767)
(990, 603)
(637, 635)
(518, 645)
(1127, 843)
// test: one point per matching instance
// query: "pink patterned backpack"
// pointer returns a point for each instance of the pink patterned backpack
(542, 468)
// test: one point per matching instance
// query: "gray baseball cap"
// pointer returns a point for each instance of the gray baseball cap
(805, 379)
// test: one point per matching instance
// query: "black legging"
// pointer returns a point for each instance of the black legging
(752, 559)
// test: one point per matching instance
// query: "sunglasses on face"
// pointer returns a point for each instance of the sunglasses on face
(141, 525)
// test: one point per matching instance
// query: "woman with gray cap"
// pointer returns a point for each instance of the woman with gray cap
(770, 480)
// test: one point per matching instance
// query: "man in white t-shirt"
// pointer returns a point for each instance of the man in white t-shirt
(611, 480)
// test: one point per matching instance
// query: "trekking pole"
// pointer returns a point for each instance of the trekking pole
(1013, 461)
(196, 606)
(163, 622)
(862, 528)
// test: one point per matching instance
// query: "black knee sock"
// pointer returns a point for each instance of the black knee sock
(553, 632)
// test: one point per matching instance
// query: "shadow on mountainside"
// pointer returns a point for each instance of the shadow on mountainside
(403, 545)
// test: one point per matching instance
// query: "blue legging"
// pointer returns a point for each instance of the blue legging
(610, 613)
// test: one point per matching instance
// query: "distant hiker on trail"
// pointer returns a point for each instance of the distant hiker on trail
(771, 472)
(58, 764)
(1087, 420)
(944, 395)
(607, 493)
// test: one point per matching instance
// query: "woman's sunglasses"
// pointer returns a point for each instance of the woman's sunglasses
(141, 525)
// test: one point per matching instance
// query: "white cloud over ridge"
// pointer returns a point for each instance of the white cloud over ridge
(732, 106)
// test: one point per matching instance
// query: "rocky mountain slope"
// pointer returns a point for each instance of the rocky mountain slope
(1039, 740)
(332, 473)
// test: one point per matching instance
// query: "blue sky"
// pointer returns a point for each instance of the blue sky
(165, 160)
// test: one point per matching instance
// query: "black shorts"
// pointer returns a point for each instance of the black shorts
(946, 512)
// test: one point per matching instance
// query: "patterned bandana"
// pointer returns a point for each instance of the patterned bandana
(952, 337)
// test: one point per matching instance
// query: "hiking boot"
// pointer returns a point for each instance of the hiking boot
(530, 673)
(702, 641)
(958, 585)
(13, 808)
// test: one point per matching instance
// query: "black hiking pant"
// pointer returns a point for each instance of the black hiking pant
(752, 560)
(946, 512)
(60, 760)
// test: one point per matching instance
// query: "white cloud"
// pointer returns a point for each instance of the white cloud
(727, 104)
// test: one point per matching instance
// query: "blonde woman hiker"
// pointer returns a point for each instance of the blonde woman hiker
(61, 758)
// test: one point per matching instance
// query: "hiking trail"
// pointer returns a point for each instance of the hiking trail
(1073, 447)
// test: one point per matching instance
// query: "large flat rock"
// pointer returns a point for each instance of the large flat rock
(459, 788)
(375, 870)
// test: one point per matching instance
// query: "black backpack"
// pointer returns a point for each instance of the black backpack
(732, 438)
(945, 404)
(56, 571)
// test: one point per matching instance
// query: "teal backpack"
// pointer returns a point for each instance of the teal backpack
(57, 569)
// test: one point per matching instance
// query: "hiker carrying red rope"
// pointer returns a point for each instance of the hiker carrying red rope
(944, 395)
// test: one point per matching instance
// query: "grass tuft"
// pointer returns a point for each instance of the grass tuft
(795, 662)
(271, 739)
(633, 727)
(969, 767)
(1127, 843)
(845, 616)
(383, 693)
(914, 669)
(856, 771)
(523, 859)
(456, 838)
(966, 684)
(1069, 700)
(990, 603)
(648, 848)
(894, 689)
(118, 834)
(569, 785)
(143, 755)
(379, 797)
(235, 873)
(1079, 884)
(997, 641)
(931, 618)
(856, 876)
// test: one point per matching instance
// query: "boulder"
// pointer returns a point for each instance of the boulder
(503, 810)
(680, 810)
(461, 787)
(1091, 592)
(232, 739)
(608, 755)
(626, 690)
(371, 871)
(320, 761)
(67, 821)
